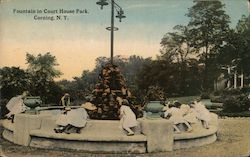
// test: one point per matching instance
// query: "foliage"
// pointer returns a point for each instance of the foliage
(168, 76)
(176, 45)
(235, 100)
(157, 73)
(205, 95)
(53, 94)
(217, 99)
(130, 70)
(43, 65)
(208, 25)
(204, 35)
(230, 92)
(41, 69)
(221, 96)
(129, 66)
(75, 89)
(237, 103)
(155, 93)
(176, 49)
(13, 81)
(245, 89)
(236, 50)
(3, 109)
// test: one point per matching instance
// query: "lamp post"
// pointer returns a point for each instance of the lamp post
(112, 28)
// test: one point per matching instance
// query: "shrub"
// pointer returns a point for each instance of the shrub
(231, 92)
(223, 95)
(216, 93)
(3, 109)
(205, 95)
(236, 103)
(155, 93)
(217, 99)
(245, 89)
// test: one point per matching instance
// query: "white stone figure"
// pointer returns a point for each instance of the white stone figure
(176, 115)
(73, 118)
(77, 117)
(127, 118)
(202, 113)
(65, 100)
(166, 106)
(188, 113)
(16, 105)
(62, 118)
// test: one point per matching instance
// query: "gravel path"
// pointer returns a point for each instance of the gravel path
(233, 141)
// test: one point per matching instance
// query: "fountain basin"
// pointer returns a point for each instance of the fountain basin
(152, 135)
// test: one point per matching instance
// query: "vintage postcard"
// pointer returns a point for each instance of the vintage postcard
(125, 78)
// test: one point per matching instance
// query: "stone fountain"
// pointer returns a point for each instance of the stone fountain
(151, 135)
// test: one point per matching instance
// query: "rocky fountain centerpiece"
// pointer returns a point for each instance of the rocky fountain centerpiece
(155, 99)
(108, 94)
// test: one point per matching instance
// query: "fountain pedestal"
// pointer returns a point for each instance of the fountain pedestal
(160, 134)
(23, 123)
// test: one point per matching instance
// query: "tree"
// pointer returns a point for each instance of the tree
(209, 25)
(13, 81)
(165, 74)
(43, 65)
(131, 68)
(83, 85)
(42, 73)
(243, 31)
(236, 49)
(159, 73)
(176, 48)
(243, 25)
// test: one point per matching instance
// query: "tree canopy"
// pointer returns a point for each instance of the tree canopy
(42, 73)
(13, 81)
(208, 25)
(43, 65)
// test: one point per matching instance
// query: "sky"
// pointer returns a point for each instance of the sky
(81, 38)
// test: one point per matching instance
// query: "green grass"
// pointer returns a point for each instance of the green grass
(236, 114)
(185, 99)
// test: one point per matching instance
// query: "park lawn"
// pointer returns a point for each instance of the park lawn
(234, 114)
(185, 99)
